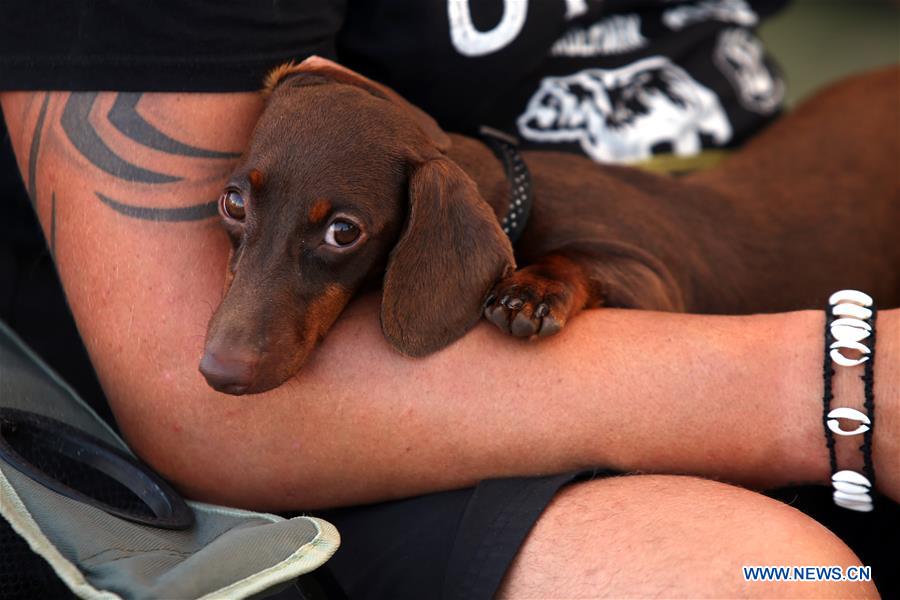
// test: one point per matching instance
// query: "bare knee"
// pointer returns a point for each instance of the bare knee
(671, 536)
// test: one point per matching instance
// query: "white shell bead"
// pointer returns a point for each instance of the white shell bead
(847, 333)
(842, 360)
(850, 346)
(851, 310)
(854, 296)
(849, 488)
(835, 426)
(849, 476)
(851, 322)
(852, 414)
(845, 412)
(864, 497)
(855, 504)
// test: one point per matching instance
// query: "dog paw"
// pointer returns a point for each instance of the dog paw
(525, 305)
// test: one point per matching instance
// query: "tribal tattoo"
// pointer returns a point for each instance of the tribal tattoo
(36, 149)
(81, 132)
(87, 139)
(33, 154)
(125, 117)
(195, 212)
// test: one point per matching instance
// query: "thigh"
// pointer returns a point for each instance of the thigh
(671, 536)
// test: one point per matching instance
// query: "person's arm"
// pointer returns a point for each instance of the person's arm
(736, 398)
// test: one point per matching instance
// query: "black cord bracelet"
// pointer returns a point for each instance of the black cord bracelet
(850, 320)
(868, 378)
(828, 396)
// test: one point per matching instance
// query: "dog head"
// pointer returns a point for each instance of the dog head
(345, 182)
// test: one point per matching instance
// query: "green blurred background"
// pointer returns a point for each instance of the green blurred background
(818, 41)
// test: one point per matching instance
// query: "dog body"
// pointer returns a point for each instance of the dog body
(810, 206)
(346, 184)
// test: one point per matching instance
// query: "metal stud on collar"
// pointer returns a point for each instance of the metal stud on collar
(521, 194)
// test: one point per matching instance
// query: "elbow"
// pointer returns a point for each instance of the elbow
(245, 452)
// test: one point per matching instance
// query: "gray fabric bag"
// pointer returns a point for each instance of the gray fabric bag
(227, 553)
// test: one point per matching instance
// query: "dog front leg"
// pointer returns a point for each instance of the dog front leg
(539, 299)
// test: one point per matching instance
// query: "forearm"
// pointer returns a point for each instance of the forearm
(732, 398)
(735, 398)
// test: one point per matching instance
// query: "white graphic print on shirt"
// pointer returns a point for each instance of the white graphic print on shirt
(575, 8)
(740, 56)
(728, 11)
(469, 41)
(619, 115)
(614, 35)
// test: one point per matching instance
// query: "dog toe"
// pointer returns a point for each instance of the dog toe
(549, 325)
(518, 314)
(512, 303)
(499, 316)
(525, 310)
(523, 324)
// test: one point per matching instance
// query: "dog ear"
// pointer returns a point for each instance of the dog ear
(449, 256)
(322, 67)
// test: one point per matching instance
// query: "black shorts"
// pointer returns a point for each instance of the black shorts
(447, 545)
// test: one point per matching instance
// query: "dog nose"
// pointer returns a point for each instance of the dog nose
(228, 372)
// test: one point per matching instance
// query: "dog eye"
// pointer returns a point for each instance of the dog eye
(232, 205)
(341, 233)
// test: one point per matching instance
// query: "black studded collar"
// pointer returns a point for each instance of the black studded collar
(521, 197)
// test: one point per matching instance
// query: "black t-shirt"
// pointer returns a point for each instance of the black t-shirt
(620, 80)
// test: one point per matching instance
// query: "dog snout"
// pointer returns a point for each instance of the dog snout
(229, 371)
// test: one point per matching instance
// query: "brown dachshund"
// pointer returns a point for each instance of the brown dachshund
(345, 184)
